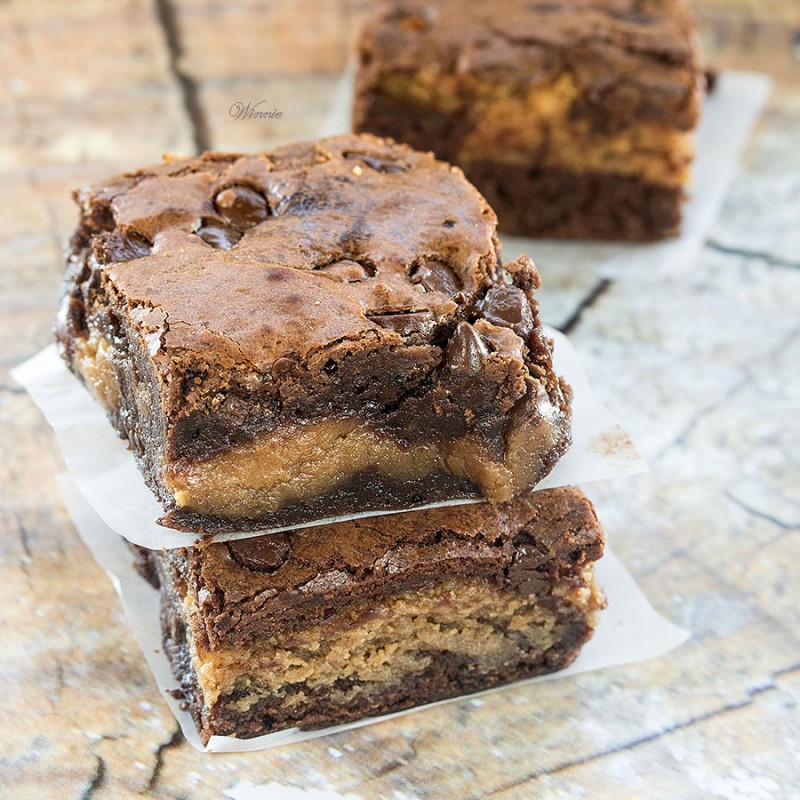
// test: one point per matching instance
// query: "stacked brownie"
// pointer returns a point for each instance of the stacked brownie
(327, 331)
(573, 117)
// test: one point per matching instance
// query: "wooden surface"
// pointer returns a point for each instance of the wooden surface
(703, 371)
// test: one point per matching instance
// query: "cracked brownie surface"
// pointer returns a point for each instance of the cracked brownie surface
(323, 329)
(313, 627)
(574, 117)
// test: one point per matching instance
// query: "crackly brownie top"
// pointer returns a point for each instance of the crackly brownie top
(247, 584)
(615, 50)
(241, 259)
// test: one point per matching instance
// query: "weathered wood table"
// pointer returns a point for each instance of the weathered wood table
(704, 372)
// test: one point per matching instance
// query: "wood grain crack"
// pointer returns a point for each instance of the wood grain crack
(97, 779)
(173, 741)
(787, 526)
(769, 685)
(24, 537)
(758, 255)
(187, 84)
(598, 290)
(687, 430)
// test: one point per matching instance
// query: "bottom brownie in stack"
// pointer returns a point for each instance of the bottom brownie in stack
(330, 624)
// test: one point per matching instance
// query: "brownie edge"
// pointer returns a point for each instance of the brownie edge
(527, 566)
(338, 303)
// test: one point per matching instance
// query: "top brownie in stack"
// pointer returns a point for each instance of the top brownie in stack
(321, 330)
(573, 117)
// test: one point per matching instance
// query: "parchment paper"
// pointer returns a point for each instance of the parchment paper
(105, 472)
(629, 630)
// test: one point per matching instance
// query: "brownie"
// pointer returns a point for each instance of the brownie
(318, 331)
(317, 627)
(574, 118)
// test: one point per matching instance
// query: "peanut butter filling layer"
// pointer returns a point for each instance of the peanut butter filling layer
(380, 643)
(93, 362)
(284, 467)
(287, 466)
(536, 126)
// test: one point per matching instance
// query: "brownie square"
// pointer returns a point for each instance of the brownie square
(318, 331)
(574, 118)
(320, 627)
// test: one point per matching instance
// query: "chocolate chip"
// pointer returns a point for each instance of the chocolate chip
(301, 202)
(378, 164)
(111, 248)
(528, 573)
(242, 206)
(508, 307)
(261, 553)
(417, 323)
(436, 276)
(347, 271)
(223, 237)
(525, 582)
(466, 350)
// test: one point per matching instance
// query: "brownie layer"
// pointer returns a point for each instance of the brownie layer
(588, 205)
(339, 301)
(610, 91)
(358, 619)
(447, 676)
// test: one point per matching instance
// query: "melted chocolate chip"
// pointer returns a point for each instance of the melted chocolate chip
(466, 350)
(261, 553)
(220, 236)
(528, 572)
(417, 323)
(110, 248)
(378, 164)
(436, 276)
(508, 307)
(301, 202)
(527, 582)
(241, 206)
(347, 271)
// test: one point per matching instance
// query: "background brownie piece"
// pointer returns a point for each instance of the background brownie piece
(319, 627)
(322, 330)
(573, 118)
